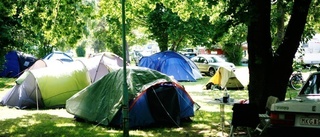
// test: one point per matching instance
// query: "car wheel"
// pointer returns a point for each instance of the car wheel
(211, 72)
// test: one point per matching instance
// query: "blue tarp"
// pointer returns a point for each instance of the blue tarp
(172, 64)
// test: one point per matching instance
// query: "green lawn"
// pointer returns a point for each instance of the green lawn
(57, 122)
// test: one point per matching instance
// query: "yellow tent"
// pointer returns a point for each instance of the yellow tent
(226, 78)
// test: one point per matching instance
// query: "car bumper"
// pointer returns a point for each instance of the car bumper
(280, 131)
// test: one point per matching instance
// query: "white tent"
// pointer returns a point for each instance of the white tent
(45, 63)
(50, 83)
(101, 64)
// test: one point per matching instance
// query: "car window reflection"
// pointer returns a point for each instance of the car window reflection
(313, 85)
(201, 60)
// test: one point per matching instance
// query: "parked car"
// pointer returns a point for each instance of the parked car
(189, 54)
(209, 63)
(300, 113)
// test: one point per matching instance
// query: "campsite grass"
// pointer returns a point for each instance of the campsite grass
(6, 83)
(57, 122)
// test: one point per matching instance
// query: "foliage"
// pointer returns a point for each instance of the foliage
(233, 53)
(159, 26)
(2, 62)
(106, 35)
(44, 50)
(59, 24)
(232, 43)
(280, 15)
(81, 51)
(168, 28)
(36, 27)
(10, 29)
(6, 83)
(49, 23)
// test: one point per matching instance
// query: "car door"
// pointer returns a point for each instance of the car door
(197, 62)
(203, 64)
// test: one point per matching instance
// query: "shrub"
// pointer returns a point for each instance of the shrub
(81, 52)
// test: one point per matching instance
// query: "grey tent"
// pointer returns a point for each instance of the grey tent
(49, 83)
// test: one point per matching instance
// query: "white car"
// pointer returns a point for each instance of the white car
(209, 64)
(302, 112)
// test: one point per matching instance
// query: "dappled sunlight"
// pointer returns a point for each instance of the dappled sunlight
(201, 126)
(141, 133)
(48, 125)
(65, 125)
(27, 121)
(7, 112)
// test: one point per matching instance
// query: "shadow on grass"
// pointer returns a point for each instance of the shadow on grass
(203, 124)
(50, 125)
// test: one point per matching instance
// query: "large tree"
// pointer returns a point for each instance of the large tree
(269, 71)
(169, 30)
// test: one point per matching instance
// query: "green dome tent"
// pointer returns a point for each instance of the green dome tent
(47, 87)
(101, 101)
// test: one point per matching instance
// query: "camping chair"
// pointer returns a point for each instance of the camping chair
(265, 118)
(244, 115)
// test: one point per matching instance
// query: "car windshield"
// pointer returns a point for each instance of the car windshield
(213, 59)
(312, 85)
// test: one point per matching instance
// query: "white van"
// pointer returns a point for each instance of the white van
(310, 54)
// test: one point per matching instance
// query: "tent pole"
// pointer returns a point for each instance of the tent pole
(125, 103)
(37, 95)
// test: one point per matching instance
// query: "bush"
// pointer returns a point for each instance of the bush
(81, 52)
(233, 53)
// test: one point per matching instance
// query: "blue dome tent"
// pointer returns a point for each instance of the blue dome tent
(172, 64)
(58, 55)
(16, 62)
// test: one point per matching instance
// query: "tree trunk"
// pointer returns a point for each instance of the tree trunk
(286, 51)
(269, 74)
(260, 52)
(163, 42)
